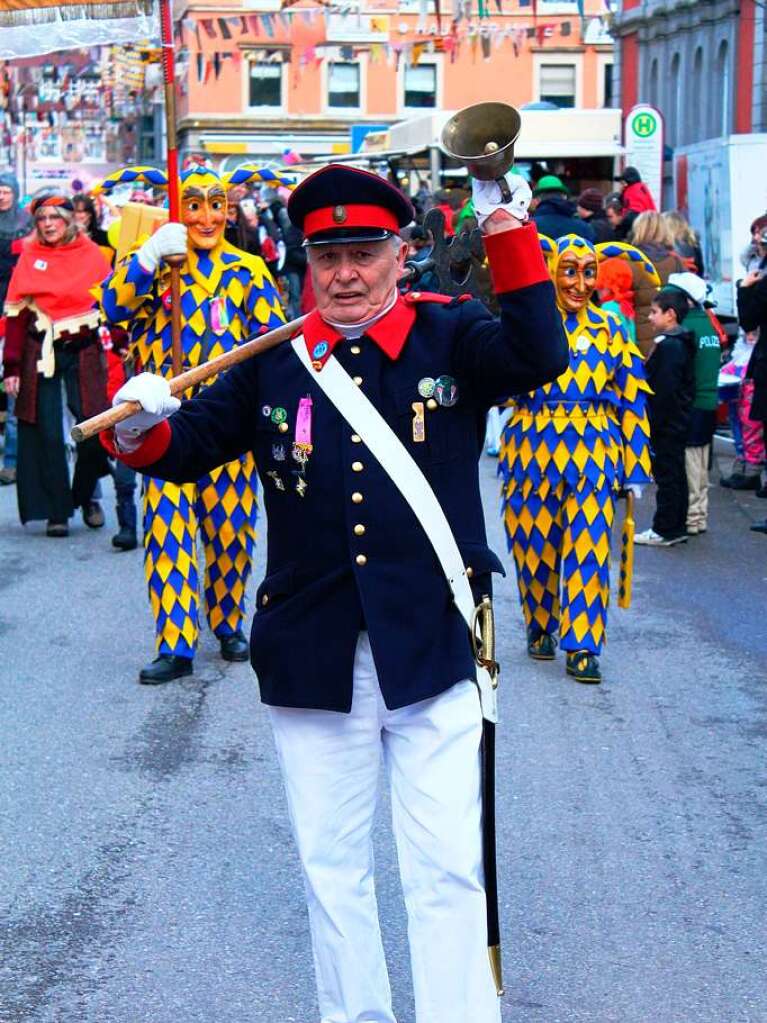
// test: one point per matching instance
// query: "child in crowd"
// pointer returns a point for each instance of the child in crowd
(747, 433)
(708, 332)
(670, 369)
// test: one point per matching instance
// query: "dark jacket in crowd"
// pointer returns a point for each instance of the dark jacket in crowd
(666, 263)
(752, 313)
(670, 369)
(600, 226)
(555, 216)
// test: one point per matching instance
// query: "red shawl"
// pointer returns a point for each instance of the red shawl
(58, 278)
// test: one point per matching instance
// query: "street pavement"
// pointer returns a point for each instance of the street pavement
(147, 873)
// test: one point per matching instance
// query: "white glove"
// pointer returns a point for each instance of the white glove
(635, 489)
(168, 240)
(153, 394)
(486, 197)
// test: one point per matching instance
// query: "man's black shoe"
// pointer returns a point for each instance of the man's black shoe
(165, 668)
(235, 647)
(583, 666)
(759, 527)
(762, 492)
(125, 540)
(744, 482)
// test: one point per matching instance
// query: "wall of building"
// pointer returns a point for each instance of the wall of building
(499, 58)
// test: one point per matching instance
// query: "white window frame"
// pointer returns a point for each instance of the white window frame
(552, 57)
(250, 58)
(604, 60)
(435, 60)
(333, 55)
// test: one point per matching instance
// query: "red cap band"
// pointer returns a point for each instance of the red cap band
(335, 218)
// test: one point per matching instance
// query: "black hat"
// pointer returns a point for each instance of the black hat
(345, 204)
(630, 175)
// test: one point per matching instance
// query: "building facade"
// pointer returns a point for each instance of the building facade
(702, 63)
(257, 80)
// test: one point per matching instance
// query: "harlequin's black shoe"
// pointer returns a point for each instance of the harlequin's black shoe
(165, 668)
(235, 647)
(583, 667)
(540, 645)
(759, 527)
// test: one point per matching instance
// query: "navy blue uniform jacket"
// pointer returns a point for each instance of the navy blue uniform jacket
(316, 596)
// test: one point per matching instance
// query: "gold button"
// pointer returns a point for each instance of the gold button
(431, 404)
(357, 380)
(415, 294)
(357, 466)
(265, 599)
(283, 427)
(357, 497)
(356, 439)
(361, 559)
(469, 571)
(355, 349)
(359, 529)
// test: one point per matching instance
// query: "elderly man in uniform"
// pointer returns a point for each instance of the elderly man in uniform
(360, 651)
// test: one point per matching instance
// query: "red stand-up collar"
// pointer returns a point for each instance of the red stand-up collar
(389, 333)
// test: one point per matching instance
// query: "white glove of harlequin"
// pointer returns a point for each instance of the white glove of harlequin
(635, 489)
(168, 240)
(486, 197)
(157, 403)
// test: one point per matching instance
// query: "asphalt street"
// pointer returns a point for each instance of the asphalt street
(147, 873)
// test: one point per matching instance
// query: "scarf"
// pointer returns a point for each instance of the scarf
(14, 223)
(57, 280)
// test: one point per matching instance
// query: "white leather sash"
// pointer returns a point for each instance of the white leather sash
(397, 462)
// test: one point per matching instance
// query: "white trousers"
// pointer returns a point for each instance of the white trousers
(696, 464)
(330, 764)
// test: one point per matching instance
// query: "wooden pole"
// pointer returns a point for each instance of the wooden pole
(175, 262)
(107, 420)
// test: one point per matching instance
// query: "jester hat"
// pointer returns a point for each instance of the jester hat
(573, 244)
(199, 175)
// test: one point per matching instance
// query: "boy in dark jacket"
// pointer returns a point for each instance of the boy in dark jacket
(670, 369)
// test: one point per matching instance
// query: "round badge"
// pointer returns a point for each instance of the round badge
(446, 391)
(266, 410)
(279, 415)
(426, 387)
(320, 350)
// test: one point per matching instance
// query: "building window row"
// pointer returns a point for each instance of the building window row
(344, 85)
(697, 105)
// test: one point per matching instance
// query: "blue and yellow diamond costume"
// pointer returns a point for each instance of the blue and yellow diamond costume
(226, 296)
(566, 451)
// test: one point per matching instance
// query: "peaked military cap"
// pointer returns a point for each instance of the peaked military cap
(346, 204)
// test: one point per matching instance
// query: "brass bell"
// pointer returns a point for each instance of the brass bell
(482, 138)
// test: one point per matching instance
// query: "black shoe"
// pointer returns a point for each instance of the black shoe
(762, 492)
(743, 482)
(540, 645)
(125, 540)
(235, 647)
(93, 515)
(165, 668)
(759, 527)
(583, 666)
(57, 529)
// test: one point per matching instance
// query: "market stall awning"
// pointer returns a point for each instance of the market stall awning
(71, 24)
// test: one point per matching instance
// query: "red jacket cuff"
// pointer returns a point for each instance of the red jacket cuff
(515, 258)
(152, 448)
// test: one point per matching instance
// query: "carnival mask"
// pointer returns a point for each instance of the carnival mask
(203, 210)
(575, 279)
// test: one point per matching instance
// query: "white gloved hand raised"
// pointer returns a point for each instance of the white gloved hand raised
(157, 403)
(168, 240)
(487, 198)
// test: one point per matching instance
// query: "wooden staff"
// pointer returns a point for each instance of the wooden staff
(107, 420)
(175, 262)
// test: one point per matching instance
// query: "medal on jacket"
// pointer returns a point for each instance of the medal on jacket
(302, 444)
(219, 314)
(419, 423)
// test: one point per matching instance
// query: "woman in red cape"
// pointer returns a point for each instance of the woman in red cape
(52, 349)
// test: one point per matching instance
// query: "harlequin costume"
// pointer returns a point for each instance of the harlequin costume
(226, 296)
(353, 579)
(568, 449)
